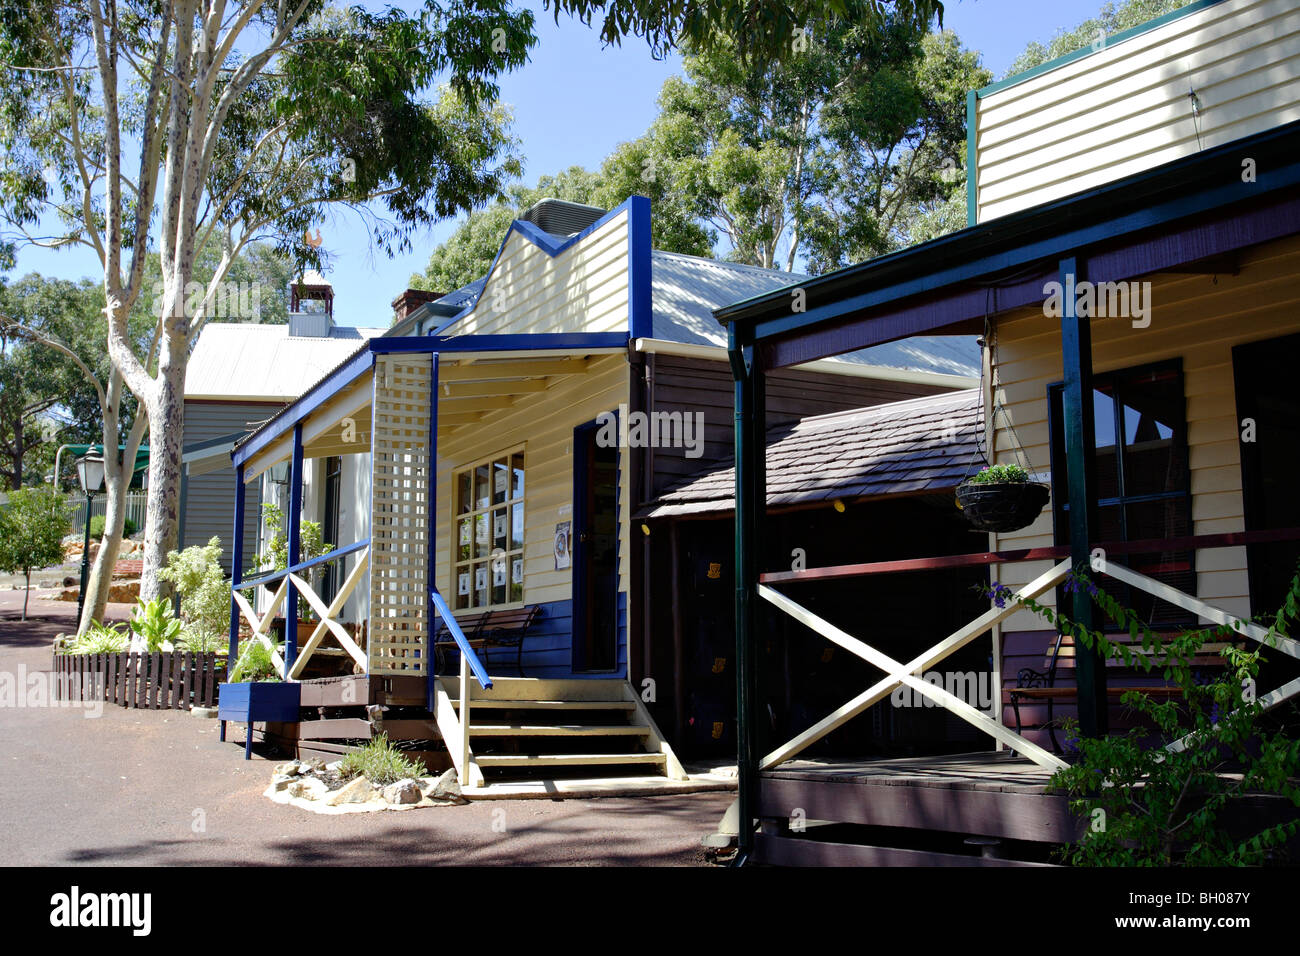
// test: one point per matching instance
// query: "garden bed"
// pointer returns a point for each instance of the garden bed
(161, 680)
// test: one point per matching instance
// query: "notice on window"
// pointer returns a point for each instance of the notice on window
(462, 583)
(517, 571)
(480, 579)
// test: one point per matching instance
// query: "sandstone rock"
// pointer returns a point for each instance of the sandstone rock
(403, 791)
(281, 781)
(290, 769)
(209, 713)
(357, 791)
(447, 788)
(309, 788)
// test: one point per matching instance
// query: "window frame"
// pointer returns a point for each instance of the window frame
(456, 564)
(1122, 501)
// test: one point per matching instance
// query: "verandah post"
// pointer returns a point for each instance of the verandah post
(295, 551)
(751, 501)
(1080, 439)
(431, 539)
(236, 564)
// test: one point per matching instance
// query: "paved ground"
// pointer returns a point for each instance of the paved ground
(156, 787)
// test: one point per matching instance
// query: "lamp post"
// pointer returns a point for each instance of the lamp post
(90, 472)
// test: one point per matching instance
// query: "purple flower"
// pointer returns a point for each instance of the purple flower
(1214, 713)
(1000, 593)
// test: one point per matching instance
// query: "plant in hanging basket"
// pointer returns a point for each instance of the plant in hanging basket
(1001, 498)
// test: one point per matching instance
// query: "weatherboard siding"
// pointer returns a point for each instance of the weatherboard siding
(210, 498)
(1125, 107)
(542, 423)
(582, 289)
(1195, 318)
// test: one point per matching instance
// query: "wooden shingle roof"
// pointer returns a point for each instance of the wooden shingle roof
(916, 446)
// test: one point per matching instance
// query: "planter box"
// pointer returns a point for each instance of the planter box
(257, 702)
(161, 680)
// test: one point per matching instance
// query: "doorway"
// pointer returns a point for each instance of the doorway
(595, 550)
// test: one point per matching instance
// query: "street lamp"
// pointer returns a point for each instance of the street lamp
(90, 472)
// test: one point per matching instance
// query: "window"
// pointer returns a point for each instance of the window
(1142, 477)
(488, 522)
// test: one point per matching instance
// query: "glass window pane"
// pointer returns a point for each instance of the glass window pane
(516, 526)
(500, 481)
(464, 500)
(464, 540)
(517, 469)
(482, 494)
(482, 540)
(1103, 409)
(500, 529)
(1153, 439)
(481, 584)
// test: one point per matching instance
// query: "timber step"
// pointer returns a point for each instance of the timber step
(568, 760)
(539, 731)
(479, 704)
(557, 730)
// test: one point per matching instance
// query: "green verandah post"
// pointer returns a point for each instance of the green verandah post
(1080, 440)
(751, 502)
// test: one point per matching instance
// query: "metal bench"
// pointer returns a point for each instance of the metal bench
(1034, 685)
(489, 629)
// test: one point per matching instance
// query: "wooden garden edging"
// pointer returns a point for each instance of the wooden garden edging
(160, 680)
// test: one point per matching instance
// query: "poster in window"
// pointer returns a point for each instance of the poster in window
(462, 583)
(499, 525)
(498, 574)
(480, 578)
(517, 571)
(562, 555)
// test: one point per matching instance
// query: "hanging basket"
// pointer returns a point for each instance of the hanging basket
(1002, 506)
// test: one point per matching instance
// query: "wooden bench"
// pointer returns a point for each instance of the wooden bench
(489, 629)
(1032, 685)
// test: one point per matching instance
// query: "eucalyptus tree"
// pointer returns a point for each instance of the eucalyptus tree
(131, 124)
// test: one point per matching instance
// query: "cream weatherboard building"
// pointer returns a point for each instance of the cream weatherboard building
(1131, 260)
(493, 531)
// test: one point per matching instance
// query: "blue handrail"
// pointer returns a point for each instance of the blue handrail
(453, 627)
(300, 566)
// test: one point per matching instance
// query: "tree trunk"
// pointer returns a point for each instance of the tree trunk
(27, 591)
(118, 469)
(166, 412)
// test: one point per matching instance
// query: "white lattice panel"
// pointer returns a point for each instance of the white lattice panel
(399, 546)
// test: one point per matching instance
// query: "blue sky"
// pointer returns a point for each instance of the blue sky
(574, 102)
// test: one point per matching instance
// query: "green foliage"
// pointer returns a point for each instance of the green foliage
(155, 624)
(254, 663)
(1109, 21)
(98, 639)
(129, 527)
(205, 594)
(32, 527)
(1163, 803)
(311, 541)
(379, 762)
(1000, 474)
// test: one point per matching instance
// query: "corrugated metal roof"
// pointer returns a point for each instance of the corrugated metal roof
(686, 289)
(244, 360)
(925, 444)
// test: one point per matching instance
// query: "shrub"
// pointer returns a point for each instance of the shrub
(155, 624)
(254, 663)
(32, 527)
(98, 639)
(1162, 803)
(379, 762)
(1000, 474)
(205, 595)
(311, 544)
(97, 522)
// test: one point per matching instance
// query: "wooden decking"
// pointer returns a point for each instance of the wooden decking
(996, 799)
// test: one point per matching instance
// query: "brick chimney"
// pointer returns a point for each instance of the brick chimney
(410, 300)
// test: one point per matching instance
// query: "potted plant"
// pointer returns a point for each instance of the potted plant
(1001, 498)
(255, 693)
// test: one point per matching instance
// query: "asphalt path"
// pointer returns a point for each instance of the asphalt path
(140, 787)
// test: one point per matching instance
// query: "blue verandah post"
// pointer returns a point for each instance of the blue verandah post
(295, 551)
(431, 539)
(1080, 437)
(236, 563)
